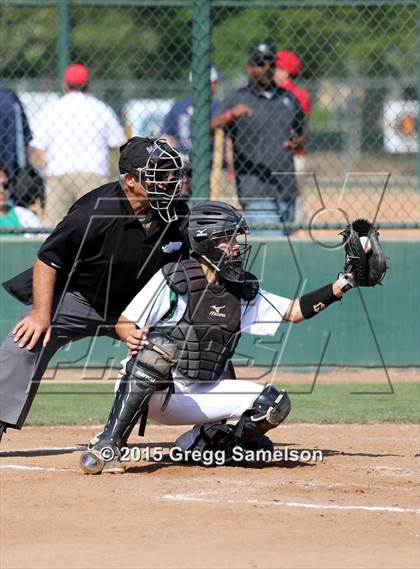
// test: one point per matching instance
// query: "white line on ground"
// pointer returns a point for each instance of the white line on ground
(35, 468)
(298, 483)
(199, 497)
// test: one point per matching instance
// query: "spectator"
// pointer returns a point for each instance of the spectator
(15, 133)
(72, 143)
(177, 125)
(269, 128)
(10, 214)
(288, 67)
(29, 191)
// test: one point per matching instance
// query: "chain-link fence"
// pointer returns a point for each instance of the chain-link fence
(345, 139)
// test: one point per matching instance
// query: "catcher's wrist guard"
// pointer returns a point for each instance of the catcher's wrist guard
(365, 260)
(313, 302)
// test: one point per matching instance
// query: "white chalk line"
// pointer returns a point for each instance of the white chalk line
(298, 483)
(200, 497)
(34, 468)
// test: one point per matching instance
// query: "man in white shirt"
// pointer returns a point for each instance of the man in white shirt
(72, 142)
(183, 327)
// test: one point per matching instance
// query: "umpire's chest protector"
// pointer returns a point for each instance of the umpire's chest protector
(209, 331)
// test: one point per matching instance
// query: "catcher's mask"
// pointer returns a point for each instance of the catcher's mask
(162, 176)
(212, 224)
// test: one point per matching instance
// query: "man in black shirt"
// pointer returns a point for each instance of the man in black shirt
(99, 256)
(265, 134)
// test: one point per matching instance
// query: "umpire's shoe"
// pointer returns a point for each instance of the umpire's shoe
(104, 459)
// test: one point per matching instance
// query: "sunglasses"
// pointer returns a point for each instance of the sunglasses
(261, 62)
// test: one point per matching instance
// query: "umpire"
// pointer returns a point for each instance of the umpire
(107, 247)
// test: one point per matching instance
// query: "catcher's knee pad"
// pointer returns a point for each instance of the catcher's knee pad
(271, 405)
(269, 409)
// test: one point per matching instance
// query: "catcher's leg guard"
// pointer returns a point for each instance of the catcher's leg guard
(136, 388)
(269, 409)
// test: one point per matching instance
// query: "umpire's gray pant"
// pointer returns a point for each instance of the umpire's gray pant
(21, 370)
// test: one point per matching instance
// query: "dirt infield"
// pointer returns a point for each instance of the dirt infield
(357, 508)
(327, 376)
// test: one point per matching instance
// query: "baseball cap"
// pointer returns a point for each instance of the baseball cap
(76, 74)
(289, 61)
(214, 75)
(261, 53)
(135, 153)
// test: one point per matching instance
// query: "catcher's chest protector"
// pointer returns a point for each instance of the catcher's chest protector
(209, 331)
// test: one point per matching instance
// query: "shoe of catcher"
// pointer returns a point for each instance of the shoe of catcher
(262, 442)
(105, 459)
(96, 439)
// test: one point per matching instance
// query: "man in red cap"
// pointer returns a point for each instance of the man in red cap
(72, 142)
(76, 76)
(288, 67)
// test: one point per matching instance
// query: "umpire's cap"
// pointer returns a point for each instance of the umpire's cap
(262, 53)
(134, 153)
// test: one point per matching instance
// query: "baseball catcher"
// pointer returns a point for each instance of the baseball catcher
(183, 327)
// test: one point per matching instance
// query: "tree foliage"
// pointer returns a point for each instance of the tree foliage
(152, 44)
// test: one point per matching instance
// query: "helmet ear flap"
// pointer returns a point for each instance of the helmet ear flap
(185, 233)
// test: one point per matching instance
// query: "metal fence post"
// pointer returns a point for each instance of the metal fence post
(418, 92)
(63, 39)
(201, 61)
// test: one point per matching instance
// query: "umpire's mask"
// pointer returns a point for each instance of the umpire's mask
(163, 176)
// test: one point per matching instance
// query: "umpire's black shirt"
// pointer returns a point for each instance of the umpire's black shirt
(102, 250)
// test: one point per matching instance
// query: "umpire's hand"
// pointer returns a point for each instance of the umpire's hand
(31, 329)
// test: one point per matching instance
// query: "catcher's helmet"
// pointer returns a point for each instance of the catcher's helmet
(210, 221)
(159, 167)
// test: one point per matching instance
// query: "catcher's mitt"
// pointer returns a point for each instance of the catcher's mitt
(365, 260)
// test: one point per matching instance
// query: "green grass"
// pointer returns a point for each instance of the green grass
(78, 404)
(358, 403)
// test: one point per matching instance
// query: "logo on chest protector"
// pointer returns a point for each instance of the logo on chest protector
(216, 311)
